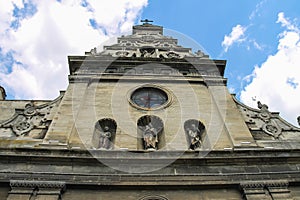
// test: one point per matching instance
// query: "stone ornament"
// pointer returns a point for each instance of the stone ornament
(266, 125)
(31, 122)
(147, 44)
(22, 127)
(272, 129)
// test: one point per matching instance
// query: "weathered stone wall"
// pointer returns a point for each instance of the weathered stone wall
(84, 104)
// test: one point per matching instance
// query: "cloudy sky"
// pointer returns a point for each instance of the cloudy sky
(260, 39)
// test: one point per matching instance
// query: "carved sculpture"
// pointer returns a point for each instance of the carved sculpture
(104, 141)
(150, 137)
(194, 130)
(104, 134)
(151, 128)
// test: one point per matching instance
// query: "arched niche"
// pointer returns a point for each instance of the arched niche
(104, 134)
(150, 133)
(194, 132)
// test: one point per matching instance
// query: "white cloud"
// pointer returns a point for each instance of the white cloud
(276, 81)
(42, 42)
(235, 36)
(256, 11)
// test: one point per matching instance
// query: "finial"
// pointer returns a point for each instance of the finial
(146, 21)
(262, 106)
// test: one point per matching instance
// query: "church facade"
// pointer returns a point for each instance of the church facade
(146, 119)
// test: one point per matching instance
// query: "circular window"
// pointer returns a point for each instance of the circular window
(149, 98)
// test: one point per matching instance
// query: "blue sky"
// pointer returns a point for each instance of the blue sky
(258, 38)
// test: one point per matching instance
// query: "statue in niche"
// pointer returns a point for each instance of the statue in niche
(150, 137)
(104, 140)
(150, 130)
(104, 134)
(194, 130)
(195, 140)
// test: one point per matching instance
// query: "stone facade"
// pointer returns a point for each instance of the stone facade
(146, 119)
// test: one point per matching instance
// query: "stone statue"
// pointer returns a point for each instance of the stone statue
(298, 119)
(104, 140)
(150, 137)
(194, 135)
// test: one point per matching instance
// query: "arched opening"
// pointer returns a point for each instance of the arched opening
(150, 133)
(194, 132)
(104, 134)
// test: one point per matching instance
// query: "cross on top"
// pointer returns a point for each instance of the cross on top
(146, 21)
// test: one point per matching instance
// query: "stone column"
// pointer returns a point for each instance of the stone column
(37, 190)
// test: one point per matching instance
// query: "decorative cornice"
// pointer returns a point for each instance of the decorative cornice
(39, 184)
(255, 184)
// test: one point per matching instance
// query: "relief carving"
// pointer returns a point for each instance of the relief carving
(22, 127)
(31, 122)
(145, 45)
(267, 126)
(147, 52)
(270, 126)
